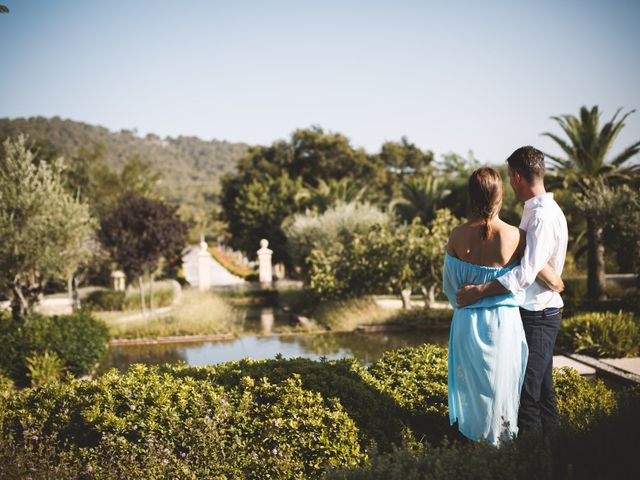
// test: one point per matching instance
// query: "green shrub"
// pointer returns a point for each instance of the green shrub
(287, 419)
(581, 401)
(606, 448)
(601, 334)
(416, 378)
(105, 300)
(6, 385)
(78, 339)
(44, 368)
(374, 412)
(153, 424)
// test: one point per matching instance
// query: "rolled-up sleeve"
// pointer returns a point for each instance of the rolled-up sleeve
(537, 254)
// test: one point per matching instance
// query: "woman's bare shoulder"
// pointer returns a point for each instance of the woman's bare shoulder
(455, 237)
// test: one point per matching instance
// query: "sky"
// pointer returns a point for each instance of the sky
(451, 75)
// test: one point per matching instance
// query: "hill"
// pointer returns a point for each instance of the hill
(191, 167)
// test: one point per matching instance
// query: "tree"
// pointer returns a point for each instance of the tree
(330, 193)
(138, 231)
(258, 210)
(44, 231)
(386, 258)
(584, 163)
(311, 157)
(309, 230)
(420, 197)
(401, 160)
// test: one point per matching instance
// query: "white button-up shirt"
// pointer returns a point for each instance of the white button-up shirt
(547, 238)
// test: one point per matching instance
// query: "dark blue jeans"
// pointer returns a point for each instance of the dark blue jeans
(538, 407)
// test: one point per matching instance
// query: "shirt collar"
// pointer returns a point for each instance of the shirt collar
(538, 200)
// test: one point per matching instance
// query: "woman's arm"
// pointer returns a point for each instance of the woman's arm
(548, 277)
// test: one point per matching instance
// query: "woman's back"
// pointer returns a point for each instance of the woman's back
(503, 247)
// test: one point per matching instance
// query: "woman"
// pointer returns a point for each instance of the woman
(487, 346)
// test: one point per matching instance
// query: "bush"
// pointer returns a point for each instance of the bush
(153, 424)
(581, 401)
(601, 334)
(44, 368)
(78, 339)
(374, 412)
(607, 448)
(105, 300)
(416, 378)
(6, 385)
(285, 419)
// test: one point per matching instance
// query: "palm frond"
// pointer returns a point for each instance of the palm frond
(626, 154)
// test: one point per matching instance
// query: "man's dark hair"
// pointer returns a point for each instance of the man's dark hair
(528, 162)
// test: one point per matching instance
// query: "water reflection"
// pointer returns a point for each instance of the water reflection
(367, 348)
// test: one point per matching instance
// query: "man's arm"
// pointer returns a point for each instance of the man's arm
(470, 294)
(549, 278)
(536, 255)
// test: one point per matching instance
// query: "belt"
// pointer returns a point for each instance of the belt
(547, 312)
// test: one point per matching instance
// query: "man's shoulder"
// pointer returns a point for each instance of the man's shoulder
(549, 210)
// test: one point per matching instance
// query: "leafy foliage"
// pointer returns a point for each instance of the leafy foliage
(601, 334)
(191, 168)
(272, 419)
(384, 259)
(199, 430)
(79, 340)
(257, 209)
(309, 230)
(584, 167)
(44, 231)
(138, 231)
(44, 368)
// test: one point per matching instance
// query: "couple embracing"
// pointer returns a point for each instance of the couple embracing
(504, 285)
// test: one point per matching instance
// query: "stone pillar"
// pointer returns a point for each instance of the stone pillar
(118, 278)
(279, 270)
(204, 266)
(264, 263)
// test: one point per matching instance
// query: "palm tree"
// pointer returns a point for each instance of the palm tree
(584, 165)
(420, 197)
(330, 193)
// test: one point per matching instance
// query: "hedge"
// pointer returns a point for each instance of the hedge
(272, 418)
(152, 424)
(79, 340)
(601, 334)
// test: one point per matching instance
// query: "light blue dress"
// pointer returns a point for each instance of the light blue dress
(487, 356)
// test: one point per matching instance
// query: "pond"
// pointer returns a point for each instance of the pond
(365, 347)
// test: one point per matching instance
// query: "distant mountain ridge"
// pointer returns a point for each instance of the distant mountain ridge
(191, 167)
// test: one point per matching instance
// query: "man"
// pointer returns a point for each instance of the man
(546, 232)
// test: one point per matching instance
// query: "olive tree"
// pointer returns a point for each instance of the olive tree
(44, 230)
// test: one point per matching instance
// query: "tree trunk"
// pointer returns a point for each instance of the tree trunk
(19, 304)
(142, 306)
(596, 280)
(72, 290)
(151, 275)
(406, 298)
(429, 295)
(75, 295)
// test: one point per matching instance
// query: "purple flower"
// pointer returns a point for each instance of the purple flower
(132, 407)
(274, 451)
